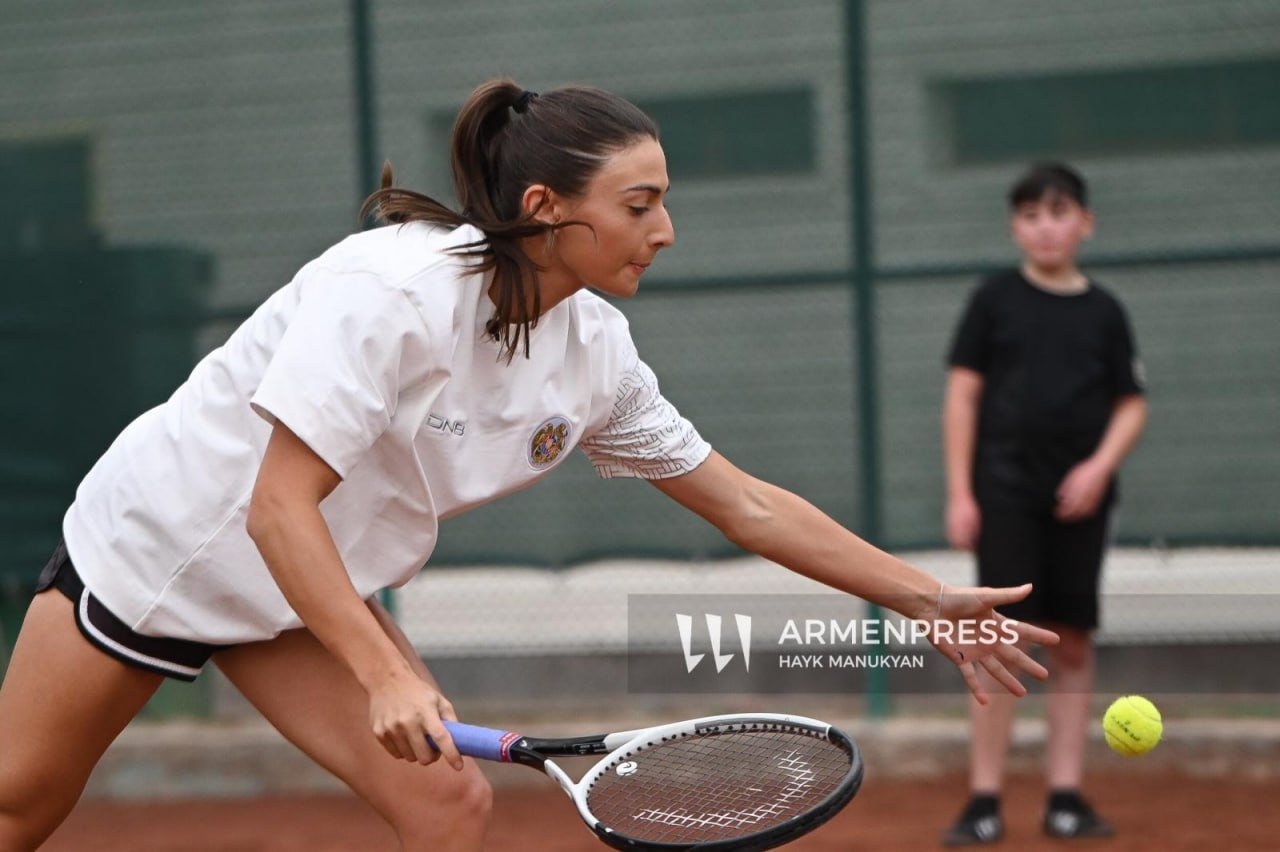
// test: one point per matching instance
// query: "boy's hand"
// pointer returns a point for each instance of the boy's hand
(1082, 490)
(964, 522)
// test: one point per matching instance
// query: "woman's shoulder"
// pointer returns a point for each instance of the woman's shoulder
(416, 261)
(400, 254)
(597, 318)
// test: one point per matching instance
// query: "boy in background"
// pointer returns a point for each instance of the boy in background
(1044, 400)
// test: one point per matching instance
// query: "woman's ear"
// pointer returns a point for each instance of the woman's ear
(542, 203)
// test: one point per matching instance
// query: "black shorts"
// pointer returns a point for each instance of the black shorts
(176, 658)
(1064, 561)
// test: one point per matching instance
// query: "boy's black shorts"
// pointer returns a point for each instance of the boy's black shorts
(1064, 561)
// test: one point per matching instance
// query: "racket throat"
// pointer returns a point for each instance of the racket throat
(559, 776)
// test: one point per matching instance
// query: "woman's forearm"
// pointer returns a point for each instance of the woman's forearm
(794, 533)
(402, 643)
(296, 544)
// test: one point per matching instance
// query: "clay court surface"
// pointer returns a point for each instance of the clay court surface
(1221, 815)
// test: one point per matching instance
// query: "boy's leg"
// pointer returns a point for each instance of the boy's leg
(62, 703)
(1069, 706)
(311, 698)
(1075, 572)
(1011, 551)
(989, 738)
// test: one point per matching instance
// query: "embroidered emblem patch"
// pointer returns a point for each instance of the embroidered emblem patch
(548, 441)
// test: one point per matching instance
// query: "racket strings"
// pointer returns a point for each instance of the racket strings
(717, 786)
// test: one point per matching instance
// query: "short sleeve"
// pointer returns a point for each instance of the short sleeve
(350, 348)
(1127, 374)
(970, 347)
(645, 436)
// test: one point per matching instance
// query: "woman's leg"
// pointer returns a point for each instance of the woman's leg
(319, 706)
(62, 703)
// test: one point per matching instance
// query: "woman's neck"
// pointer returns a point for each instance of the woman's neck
(553, 281)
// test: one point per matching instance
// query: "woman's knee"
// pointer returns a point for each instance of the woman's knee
(25, 829)
(475, 800)
(433, 812)
(34, 800)
(16, 835)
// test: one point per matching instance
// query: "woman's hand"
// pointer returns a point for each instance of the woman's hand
(968, 631)
(403, 711)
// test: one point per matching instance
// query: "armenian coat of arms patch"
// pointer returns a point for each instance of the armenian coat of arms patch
(548, 441)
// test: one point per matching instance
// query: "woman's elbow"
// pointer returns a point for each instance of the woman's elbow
(256, 522)
(263, 517)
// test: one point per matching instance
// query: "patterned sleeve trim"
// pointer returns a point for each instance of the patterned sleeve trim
(645, 437)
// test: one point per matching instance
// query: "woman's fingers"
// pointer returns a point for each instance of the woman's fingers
(422, 753)
(444, 743)
(970, 676)
(404, 744)
(1031, 633)
(995, 648)
(389, 745)
(953, 653)
(1012, 654)
(1004, 595)
(407, 718)
(996, 669)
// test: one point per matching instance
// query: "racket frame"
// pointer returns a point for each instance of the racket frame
(621, 745)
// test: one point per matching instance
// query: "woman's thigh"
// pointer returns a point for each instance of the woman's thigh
(62, 703)
(318, 705)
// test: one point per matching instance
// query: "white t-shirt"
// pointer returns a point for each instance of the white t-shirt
(376, 356)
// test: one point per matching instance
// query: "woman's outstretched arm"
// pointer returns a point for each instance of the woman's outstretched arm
(786, 529)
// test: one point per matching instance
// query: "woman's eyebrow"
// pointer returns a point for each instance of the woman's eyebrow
(646, 187)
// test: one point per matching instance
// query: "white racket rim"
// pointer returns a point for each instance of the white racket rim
(625, 743)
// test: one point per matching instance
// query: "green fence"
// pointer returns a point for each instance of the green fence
(160, 174)
(767, 374)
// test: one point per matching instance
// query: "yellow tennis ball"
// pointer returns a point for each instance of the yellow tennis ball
(1132, 725)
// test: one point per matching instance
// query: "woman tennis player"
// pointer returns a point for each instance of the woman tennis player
(409, 373)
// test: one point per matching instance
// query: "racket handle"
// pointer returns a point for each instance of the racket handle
(481, 743)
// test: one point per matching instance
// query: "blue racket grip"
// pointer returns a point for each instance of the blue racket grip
(482, 743)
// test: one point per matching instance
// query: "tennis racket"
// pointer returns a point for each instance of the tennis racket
(741, 782)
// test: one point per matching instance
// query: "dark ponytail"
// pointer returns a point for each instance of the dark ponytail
(505, 140)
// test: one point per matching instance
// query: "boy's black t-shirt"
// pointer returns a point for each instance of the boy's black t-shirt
(1053, 366)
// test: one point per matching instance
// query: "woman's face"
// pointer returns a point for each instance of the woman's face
(624, 202)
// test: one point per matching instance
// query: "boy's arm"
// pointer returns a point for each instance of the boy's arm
(1083, 488)
(959, 439)
(1128, 418)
